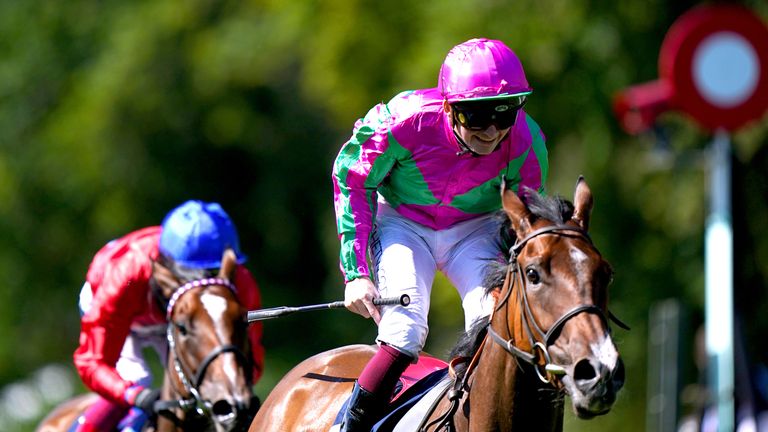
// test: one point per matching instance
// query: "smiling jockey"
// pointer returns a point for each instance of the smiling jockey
(416, 186)
(123, 312)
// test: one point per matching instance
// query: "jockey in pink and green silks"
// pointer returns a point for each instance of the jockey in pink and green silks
(416, 188)
(406, 152)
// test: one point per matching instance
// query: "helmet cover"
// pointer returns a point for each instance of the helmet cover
(481, 69)
(196, 234)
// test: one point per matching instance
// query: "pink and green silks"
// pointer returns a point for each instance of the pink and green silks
(405, 153)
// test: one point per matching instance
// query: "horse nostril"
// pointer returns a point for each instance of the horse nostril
(222, 408)
(583, 371)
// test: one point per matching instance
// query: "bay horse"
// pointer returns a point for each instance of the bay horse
(206, 384)
(548, 336)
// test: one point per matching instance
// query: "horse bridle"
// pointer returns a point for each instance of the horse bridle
(541, 344)
(514, 273)
(196, 401)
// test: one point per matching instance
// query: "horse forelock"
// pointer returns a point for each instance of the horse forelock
(555, 208)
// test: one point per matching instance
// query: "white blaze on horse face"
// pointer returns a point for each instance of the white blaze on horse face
(579, 261)
(605, 352)
(216, 306)
(578, 256)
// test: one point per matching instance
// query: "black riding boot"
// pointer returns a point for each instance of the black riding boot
(363, 411)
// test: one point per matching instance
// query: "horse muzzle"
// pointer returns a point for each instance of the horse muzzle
(232, 417)
(593, 386)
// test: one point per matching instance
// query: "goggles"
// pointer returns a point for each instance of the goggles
(480, 115)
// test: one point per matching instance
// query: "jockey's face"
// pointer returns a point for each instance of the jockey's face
(484, 141)
(481, 140)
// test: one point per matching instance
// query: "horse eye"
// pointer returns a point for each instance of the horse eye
(532, 275)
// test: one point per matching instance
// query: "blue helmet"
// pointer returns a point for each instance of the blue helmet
(196, 234)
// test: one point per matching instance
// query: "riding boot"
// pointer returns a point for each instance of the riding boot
(363, 410)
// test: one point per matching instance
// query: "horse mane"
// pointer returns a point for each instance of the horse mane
(556, 209)
(468, 344)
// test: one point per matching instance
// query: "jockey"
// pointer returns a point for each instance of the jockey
(417, 186)
(123, 312)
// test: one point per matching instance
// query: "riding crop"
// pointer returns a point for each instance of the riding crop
(265, 314)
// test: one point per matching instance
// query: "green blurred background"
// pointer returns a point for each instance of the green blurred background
(113, 112)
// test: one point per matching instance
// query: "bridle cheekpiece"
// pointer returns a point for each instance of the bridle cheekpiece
(191, 385)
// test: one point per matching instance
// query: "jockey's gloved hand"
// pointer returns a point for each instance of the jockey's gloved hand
(142, 397)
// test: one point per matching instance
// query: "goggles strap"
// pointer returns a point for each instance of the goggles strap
(462, 144)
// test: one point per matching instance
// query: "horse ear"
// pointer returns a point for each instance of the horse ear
(166, 281)
(582, 202)
(518, 213)
(228, 265)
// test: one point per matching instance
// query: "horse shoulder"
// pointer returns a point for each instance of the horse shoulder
(310, 395)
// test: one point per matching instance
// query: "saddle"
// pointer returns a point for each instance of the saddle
(418, 389)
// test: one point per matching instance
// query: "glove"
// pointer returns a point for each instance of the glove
(142, 398)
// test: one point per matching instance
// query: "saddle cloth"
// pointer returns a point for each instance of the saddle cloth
(419, 387)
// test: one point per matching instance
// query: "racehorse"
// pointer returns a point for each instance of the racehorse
(548, 336)
(205, 384)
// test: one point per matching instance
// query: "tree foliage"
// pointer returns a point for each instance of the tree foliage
(113, 112)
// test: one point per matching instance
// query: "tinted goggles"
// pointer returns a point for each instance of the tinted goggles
(481, 115)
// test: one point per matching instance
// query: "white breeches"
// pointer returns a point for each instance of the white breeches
(406, 255)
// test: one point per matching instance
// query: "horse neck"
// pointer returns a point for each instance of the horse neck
(508, 395)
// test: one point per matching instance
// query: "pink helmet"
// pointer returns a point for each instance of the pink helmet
(481, 69)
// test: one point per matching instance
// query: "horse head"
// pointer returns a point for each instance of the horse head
(552, 308)
(207, 376)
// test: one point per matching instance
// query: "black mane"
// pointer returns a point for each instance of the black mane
(555, 209)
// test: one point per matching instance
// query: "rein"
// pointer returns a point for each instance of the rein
(191, 386)
(545, 339)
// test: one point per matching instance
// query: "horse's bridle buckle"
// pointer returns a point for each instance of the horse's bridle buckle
(549, 367)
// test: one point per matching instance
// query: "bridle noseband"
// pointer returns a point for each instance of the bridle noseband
(192, 386)
(541, 343)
